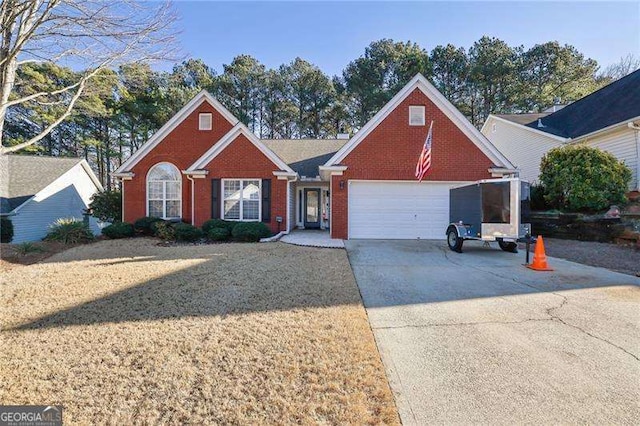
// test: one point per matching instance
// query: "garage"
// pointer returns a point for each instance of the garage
(399, 210)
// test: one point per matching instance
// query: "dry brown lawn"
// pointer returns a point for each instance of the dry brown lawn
(122, 332)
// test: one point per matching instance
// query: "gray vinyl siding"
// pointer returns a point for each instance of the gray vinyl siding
(523, 147)
(292, 206)
(622, 144)
(66, 197)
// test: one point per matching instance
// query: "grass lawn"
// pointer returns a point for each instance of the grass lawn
(128, 332)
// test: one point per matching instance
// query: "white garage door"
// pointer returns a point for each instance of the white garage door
(398, 210)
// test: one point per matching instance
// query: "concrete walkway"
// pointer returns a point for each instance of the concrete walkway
(477, 338)
(312, 238)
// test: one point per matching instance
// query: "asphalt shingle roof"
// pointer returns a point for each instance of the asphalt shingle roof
(23, 176)
(613, 104)
(305, 155)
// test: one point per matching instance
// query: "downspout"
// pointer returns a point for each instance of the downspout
(192, 199)
(122, 198)
(636, 127)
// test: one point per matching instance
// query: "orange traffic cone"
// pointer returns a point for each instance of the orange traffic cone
(539, 257)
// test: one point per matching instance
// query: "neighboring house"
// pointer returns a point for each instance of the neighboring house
(608, 119)
(35, 191)
(205, 164)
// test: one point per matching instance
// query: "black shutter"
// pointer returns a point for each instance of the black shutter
(215, 198)
(266, 200)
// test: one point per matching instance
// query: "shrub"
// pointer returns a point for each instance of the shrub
(250, 231)
(164, 230)
(537, 201)
(107, 206)
(581, 178)
(6, 230)
(24, 249)
(187, 232)
(218, 234)
(144, 224)
(118, 230)
(69, 231)
(218, 223)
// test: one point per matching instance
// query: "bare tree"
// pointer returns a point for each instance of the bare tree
(626, 65)
(94, 34)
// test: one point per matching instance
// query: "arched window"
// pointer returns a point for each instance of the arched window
(164, 191)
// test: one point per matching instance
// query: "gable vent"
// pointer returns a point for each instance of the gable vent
(205, 121)
(416, 115)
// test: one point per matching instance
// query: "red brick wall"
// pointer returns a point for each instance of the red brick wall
(391, 150)
(181, 147)
(241, 159)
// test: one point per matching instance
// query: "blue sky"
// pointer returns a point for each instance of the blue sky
(330, 34)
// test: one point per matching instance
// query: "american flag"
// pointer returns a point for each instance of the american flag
(424, 161)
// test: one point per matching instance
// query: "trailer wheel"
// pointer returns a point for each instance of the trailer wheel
(453, 240)
(508, 246)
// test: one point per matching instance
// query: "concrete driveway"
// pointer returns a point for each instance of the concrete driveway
(477, 338)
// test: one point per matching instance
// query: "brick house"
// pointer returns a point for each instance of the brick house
(205, 164)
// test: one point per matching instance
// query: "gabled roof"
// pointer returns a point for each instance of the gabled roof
(304, 156)
(523, 119)
(24, 176)
(226, 140)
(500, 117)
(170, 125)
(616, 103)
(421, 83)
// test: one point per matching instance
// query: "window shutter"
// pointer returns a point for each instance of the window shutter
(266, 200)
(215, 198)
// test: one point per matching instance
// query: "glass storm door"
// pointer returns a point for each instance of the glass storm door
(312, 208)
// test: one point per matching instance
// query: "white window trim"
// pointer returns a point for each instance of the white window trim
(205, 114)
(241, 180)
(164, 191)
(421, 109)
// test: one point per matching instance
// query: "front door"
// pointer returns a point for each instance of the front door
(312, 208)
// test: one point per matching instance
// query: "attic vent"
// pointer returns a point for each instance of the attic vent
(205, 121)
(416, 115)
(540, 123)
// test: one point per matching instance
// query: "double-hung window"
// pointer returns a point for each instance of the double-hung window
(164, 191)
(241, 199)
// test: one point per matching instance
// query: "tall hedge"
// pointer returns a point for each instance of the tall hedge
(580, 178)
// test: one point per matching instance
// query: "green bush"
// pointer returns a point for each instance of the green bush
(218, 223)
(187, 232)
(250, 231)
(26, 248)
(144, 225)
(118, 230)
(6, 230)
(581, 178)
(107, 206)
(164, 230)
(69, 231)
(218, 234)
(537, 201)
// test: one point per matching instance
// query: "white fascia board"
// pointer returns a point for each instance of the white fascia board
(420, 82)
(530, 129)
(172, 124)
(196, 174)
(285, 175)
(92, 176)
(123, 175)
(227, 139)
